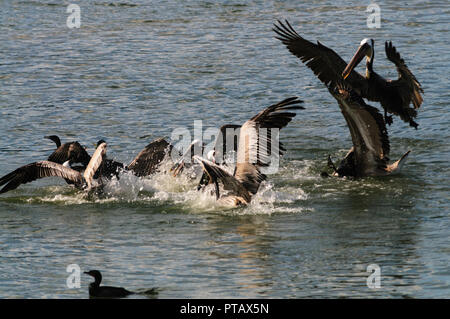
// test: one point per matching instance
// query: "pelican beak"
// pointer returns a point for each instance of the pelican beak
(362, 51)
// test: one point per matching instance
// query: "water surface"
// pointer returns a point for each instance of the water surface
(136, 70)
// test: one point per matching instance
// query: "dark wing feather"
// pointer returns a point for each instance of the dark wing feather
(407, 84)
(149, 159)
(109, 169)
(255, 142)
(226, 141)
(367, 129)
(323, 61)
(37, 170)
(70, 151)
(217, 173)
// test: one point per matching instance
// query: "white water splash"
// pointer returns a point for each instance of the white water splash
(181, 191)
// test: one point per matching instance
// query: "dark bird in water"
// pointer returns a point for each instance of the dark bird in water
(395, 96)
(95, 290)
(146, 162)
(370, 151)
(77, 154)
(90, 173)
(253, 153)
(81, 179)
(68, 151)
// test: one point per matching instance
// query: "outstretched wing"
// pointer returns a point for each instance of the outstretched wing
(323, 61)
(256, 146)
(37, 170)
(148, 160)
(217, 173)
(367, 129)
(407, 83)
(95, 162)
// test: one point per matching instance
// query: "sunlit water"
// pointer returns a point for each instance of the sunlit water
(136, 70)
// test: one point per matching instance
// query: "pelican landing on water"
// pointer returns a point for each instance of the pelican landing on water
(370, 151)
(252, 154)
(395, 96)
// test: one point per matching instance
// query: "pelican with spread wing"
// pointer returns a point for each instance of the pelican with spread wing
(369, 155)
(253, 153)
(395, 96)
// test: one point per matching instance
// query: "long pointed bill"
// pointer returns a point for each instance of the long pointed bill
(359, 55)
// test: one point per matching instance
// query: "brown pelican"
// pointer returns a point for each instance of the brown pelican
(370, 151)
(252, 153)
(395, 96)
(37, 170)
(226, 140)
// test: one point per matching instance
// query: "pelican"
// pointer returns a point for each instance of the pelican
(31, 172)
(228, 133)
(252, 154)
(395, 96)
(370, 151)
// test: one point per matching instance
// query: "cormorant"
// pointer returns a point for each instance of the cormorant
(95, 290)
(81, 179)
(72, 151)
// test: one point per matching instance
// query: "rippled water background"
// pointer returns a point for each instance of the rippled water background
(136, 70)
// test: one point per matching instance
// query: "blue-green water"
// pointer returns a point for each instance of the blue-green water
(136, 70)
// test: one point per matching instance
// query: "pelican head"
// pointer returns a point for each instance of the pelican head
(365, 49)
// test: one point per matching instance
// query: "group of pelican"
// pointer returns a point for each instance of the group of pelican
(369, 155)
